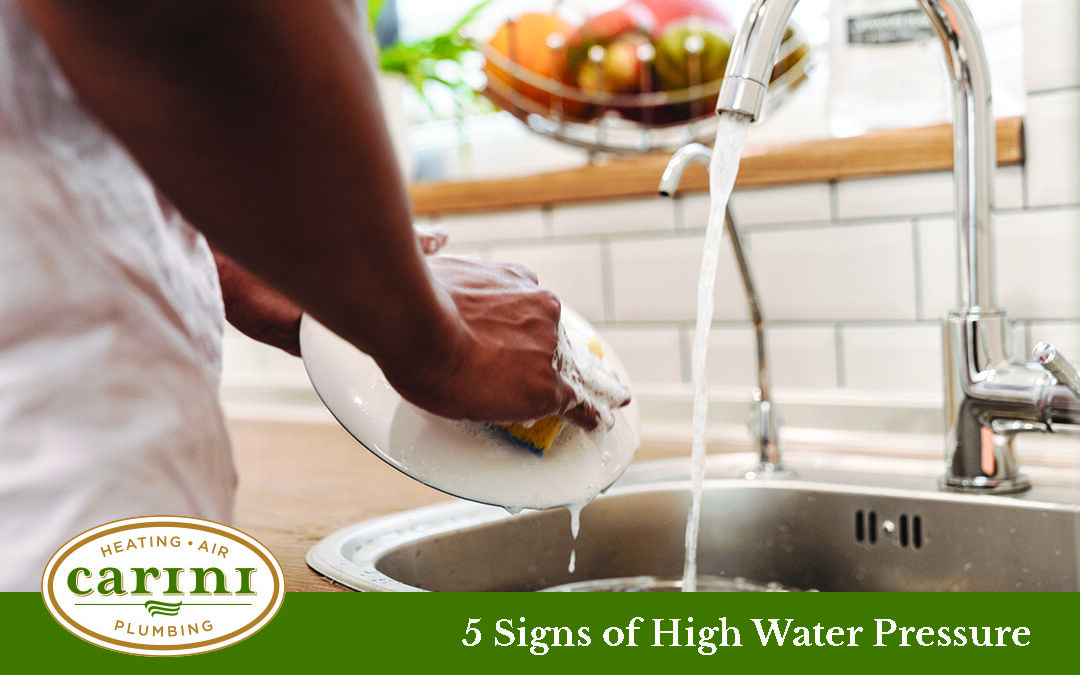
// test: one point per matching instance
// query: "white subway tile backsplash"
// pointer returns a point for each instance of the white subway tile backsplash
(657, 280)
(919, 194)
(694, 211)
(893, 358)
(938, 263)
(802, 358)
(937, 266)
(245, 359)
(836, 273)
(764, 206)
(1063, 335)
(496, 226)
(908, 195)
(730, 358)
(1051, 44)
(650, 355)
(1037, 258)
(573, 271)
(790, 204)
(799, 358)
(281, 364)
(238, 356)
(1016, 337)
(635, 215)
(1009, 187)
(1052, 130)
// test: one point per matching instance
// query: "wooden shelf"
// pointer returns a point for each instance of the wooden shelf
(880, 153)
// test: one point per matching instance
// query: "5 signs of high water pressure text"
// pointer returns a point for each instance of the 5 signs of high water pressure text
(708, 638)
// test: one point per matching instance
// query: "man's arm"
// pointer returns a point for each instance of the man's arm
(260, 312)
(259, 112)
(266, 112)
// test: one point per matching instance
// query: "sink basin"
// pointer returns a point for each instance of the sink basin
(867, 530)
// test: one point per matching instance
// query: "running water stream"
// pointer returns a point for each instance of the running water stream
(730, 138)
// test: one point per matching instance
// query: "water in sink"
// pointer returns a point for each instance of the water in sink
(649, 584)
(730, 138)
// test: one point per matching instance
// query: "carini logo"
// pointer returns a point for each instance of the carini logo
(163, 586)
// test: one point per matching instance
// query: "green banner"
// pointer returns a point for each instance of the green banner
(522, 633)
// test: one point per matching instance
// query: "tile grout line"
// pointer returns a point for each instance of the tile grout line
(685, 349)
(1054, 90)
(1034, 322)
(678, 212)
(607, 280)
(547, 221)
(841, 371)
(916, 257)
(793, 324)
(673, 234)
(1025, 200)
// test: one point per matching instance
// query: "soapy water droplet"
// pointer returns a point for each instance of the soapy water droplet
(575, 520)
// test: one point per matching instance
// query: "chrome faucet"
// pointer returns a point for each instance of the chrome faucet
(989, 398)
(763, 424)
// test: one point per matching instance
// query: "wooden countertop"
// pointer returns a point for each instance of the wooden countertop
(300, 482)
(878, 153)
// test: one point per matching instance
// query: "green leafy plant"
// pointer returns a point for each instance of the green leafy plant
(435, 60)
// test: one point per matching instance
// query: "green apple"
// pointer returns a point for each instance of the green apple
(690, 53)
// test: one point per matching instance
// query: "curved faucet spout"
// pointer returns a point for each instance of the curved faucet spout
(676, 166)
(747, 78)
(763, 424)
(989, 398)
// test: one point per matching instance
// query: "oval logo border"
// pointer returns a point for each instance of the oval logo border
(192, 648)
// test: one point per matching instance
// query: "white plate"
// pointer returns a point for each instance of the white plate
(462, 458)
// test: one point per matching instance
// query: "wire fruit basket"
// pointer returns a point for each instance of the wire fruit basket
(642, 111)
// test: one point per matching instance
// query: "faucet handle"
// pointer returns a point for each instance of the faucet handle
(1046, 355)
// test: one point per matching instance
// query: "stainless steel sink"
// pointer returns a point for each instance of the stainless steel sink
(830, 531)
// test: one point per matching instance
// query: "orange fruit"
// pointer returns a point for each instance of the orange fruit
(535, 42)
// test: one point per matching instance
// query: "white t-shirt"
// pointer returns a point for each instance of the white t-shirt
(110, 329)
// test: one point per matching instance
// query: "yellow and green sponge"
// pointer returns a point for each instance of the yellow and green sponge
(539, 436)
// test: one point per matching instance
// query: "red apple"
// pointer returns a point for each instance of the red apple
(605, 27)
(665, 12)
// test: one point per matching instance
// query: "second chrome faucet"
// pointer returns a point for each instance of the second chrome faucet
(763, 419)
